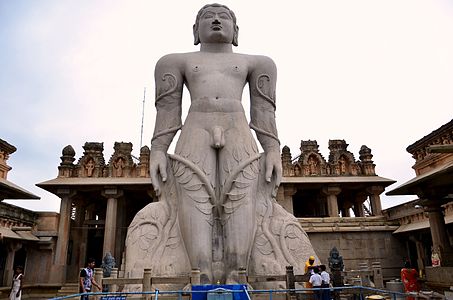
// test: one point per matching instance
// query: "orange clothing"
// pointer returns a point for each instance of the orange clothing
(308, 285)
(307, 265)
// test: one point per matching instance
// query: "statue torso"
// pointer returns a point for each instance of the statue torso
(212, 75)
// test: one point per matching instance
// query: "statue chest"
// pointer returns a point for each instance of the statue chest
(216, 71)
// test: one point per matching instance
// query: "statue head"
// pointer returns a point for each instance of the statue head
(334, 253)
(205, 9)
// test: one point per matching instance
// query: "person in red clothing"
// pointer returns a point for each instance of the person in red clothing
(409, 277)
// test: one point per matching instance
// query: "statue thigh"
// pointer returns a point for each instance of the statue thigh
(194, 209)
(238, 217)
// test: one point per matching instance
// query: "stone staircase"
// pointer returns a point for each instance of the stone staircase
(68, 289)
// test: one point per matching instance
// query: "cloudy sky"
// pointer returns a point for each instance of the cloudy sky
(378, 73)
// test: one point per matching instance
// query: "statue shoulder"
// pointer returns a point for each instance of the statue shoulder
(173, 61)
(261, 63)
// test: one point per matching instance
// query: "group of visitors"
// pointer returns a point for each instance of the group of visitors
(319, 278)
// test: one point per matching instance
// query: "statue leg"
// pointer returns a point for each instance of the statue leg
(238, 218)
(195, 208)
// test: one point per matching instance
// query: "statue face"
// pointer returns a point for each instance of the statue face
(216, 26)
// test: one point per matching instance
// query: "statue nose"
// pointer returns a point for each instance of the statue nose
(216, 22)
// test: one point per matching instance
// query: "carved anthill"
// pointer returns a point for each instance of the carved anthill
(341, 162)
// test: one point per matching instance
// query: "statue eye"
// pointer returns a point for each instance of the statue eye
(224, 16)
(208, 15)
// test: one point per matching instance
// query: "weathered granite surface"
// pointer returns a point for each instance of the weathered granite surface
(217, 210)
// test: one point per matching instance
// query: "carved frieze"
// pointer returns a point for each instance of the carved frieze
(121, 163)
(92, 162)
(143, 165)
(441, 136)
(5, 150)
(66, 167)
(311, 162)
(341, 162)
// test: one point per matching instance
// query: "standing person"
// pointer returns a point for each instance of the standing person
(87, 279)
(316, 282)
(16, 288)
(309, 263)
(325, 283)
(308, 268)
(409, 277)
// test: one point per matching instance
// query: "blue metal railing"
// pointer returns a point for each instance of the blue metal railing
(356, 290)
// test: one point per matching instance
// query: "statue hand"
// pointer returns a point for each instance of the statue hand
(158, 165)
(273, 165)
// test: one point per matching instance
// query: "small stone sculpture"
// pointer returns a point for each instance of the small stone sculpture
(336, 266)
(108, 263)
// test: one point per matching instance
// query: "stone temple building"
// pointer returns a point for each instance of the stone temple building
(336, 200)
(26, 237)
(427, 222)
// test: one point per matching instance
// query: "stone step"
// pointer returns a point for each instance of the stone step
(69, 288)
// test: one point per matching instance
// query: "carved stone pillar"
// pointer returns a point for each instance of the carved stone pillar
(331, 192)
(375, 199)
(441, 243)
(345, 212)
(358, 205)
(112, 194)
(285, 195)
(80, 235)
(58, 274)
(9, 267)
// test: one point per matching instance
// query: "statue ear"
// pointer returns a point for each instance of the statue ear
(196, 37)
(235, 36)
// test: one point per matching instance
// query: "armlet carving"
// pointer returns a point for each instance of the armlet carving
(261, 131)
(172, 85)
(263, 88)
(166, 131)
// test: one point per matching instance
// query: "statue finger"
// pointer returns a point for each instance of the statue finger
(163, 171)
(155, 182)
(279, 175)
(278, 180)
(268, 175)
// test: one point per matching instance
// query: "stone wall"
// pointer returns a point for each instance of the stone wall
(358, 240)
(442, 277)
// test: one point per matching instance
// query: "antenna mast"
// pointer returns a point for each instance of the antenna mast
(143, 117)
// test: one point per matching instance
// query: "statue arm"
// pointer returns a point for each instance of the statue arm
(262, 82)
(169, 85)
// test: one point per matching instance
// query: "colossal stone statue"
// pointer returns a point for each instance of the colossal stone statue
(216, 210)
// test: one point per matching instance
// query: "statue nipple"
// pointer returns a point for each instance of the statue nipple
(218, 139)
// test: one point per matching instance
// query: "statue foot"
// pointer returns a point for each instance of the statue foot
(232, 278)
(205, 279)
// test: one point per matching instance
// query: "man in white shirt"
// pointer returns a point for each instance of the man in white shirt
(316, 282)
(325, 283)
